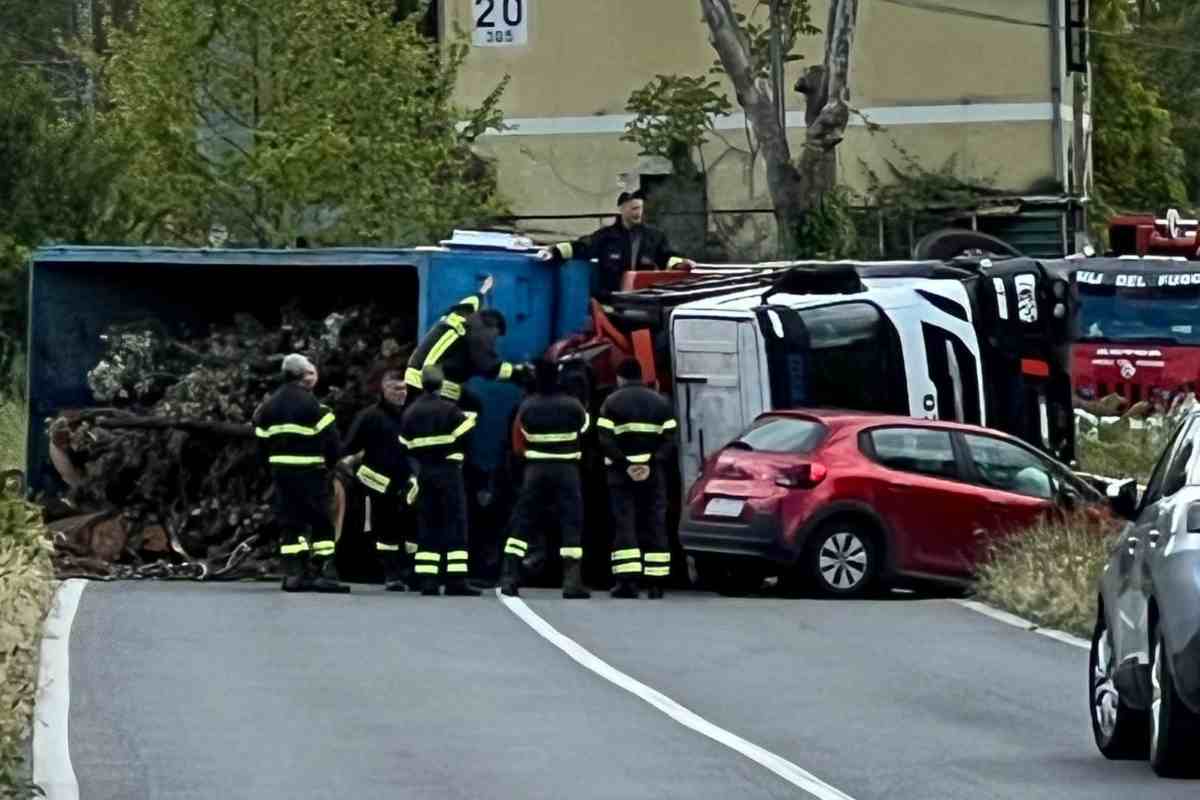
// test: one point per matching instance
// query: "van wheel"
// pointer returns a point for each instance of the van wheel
(1174, 730)
(728, 576)
(842, 559)
(1121, 732)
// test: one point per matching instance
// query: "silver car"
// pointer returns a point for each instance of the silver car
(1145, 655)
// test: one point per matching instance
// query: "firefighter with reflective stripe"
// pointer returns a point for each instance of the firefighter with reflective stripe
(384, 471)
(302, 445)
(627, 244)
(552, 424)
(463, 344)
(636, 430)
(434, 430)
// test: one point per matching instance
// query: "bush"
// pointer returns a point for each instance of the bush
(26, 590)
(1049, 573)
(1121, 451)
(12, 435)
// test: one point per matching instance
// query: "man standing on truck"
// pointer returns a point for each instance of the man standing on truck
(463, 345)
(302, 446)
(627, 244)
(636, 431)
(384, 470)
(433, 430)
(551, 426)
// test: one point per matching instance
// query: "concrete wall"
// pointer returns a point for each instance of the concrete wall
(941, 85)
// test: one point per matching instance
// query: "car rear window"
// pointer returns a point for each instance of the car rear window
(782, 435)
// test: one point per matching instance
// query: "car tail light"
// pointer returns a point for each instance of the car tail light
(802, 476)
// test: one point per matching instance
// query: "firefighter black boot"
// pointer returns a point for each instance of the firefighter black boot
(393, 571)
(430, 586)
(655, 591)
(510, 575)
(457, 586)
(323, 577)
(293, 573)
(626, 588)
(573, 588)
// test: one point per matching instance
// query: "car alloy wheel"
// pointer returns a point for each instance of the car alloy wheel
(843, 561)
(1156, 703)
(1120, 732)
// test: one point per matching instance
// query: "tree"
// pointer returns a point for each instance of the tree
(1137, 164)
(795, 186)
(281, 118)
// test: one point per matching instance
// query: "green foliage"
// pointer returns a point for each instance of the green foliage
(674, 114)
(1172, 70)
(26, 590)
(829, 231)
(909, 189)
(796, 16)
(283, 118)
(1138, 166)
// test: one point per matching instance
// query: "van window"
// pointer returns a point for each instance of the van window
(853, 360)
(782, 435)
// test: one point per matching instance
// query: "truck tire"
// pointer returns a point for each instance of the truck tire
(948, 243)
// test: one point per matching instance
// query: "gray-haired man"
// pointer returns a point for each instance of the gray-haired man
(302, 445)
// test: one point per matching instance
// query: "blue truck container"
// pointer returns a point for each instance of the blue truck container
(76, 293)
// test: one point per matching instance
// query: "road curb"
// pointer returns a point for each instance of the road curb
(1019, 622)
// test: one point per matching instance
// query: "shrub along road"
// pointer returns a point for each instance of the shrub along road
(199, 691)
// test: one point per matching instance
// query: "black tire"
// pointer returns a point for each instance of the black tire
(1121, 732)
(732, 577)
(841, 559)
(1174, 729)
(948, 243)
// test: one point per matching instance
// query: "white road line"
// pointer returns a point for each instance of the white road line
(1023, 624)
(52, 768)
(785, 769)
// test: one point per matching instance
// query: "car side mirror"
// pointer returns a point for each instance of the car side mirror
(1123, 499)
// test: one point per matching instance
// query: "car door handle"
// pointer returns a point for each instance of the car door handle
(1132, 541)
(1154, 537)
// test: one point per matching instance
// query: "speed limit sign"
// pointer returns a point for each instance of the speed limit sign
(501, 23)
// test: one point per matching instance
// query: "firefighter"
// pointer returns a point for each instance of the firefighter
(552, 424)
(463, 344)
(433, 430)
(627, 244)
(385, 472)
(302, 445)
(636, 430)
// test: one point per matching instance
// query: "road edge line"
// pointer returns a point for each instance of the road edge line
(1019, 622)
(790, 772)
(52, 769)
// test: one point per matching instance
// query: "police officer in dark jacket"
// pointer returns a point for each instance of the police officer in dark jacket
(627, 244)
(552, 423)
(389, 480)
(463, 344)
(636, 432)
(302, 445)
(433, 430)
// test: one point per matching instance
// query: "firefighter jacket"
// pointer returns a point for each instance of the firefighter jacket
(434, 430)
(462, 346)
(384, 468)
(552, 426)
(296, 431)
(614, 249)
(636, 426)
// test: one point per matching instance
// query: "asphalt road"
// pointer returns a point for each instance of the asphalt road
(239, 691)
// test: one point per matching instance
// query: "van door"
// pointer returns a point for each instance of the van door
(717, 387)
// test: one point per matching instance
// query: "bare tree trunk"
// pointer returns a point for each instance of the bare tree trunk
(754, 95)
(794, 187)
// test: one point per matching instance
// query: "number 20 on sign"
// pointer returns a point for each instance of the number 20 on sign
(501, 23)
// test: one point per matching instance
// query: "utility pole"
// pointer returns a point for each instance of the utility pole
(777, 65)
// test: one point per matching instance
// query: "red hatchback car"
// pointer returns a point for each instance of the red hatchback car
(844, 500)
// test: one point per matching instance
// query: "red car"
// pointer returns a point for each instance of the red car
(843, 500)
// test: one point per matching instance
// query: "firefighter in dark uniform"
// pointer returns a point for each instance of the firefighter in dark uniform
(552, 424)
(463, 344)
(433, 430)
(627, 244)
(636, 431)
(390, 483)
(302, 446)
